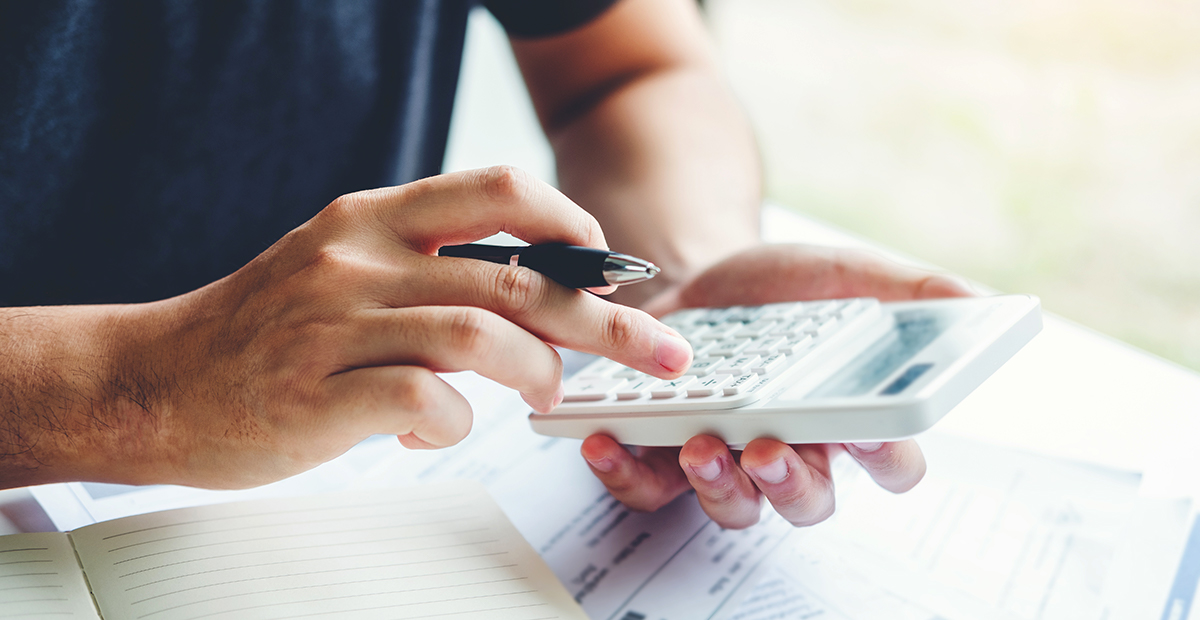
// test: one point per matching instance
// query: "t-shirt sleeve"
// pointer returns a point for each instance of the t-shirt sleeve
(528, 19)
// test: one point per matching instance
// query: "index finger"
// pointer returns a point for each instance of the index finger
(462, 207)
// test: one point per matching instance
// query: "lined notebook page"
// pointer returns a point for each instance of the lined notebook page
(40, 579)
(431, 552)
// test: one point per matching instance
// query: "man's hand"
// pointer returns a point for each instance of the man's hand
(331, 335)
(794, 478)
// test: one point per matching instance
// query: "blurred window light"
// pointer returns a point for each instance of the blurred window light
(1041, 146)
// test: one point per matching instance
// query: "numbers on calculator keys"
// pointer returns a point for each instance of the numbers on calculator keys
(737, 350)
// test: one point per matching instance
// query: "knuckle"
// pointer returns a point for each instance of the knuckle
(506, 184)
(415, 391)
(332, 271)
(469, 331)
(433, 420)
(328, 258)
(845, 265)
(516, 290)
(587, 227)
(344, 206)
(620, 330)
(302, 384)
(937, 285)
(326, 272)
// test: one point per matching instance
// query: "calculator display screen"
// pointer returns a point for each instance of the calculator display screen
(913, 331)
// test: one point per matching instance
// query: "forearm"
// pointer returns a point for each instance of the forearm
(668, 164)
(70, 407)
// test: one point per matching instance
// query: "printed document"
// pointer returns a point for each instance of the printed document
(991, 533)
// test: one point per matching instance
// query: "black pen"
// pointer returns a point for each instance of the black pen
(572, 266)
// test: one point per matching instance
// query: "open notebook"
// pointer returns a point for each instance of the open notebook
(444, 552)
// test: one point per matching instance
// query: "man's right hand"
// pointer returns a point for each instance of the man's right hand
(331, 335)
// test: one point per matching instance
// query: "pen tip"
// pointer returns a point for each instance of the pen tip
(621, 269)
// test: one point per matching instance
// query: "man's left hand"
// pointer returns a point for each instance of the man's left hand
(794, 478)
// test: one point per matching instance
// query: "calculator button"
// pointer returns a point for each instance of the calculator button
(720, 315)
(827, 325)
(629, 373)
(765, 346)
(707, 386)
(796, 345)
(740, 384)
(756, 329)
(738, 314)
(770, 364)
(637, 389)
(739, 365)
(704, 365)
(580, 390)
(793, 328)
(668, 389)
(729, 348)
(722, 331)
(779, 311)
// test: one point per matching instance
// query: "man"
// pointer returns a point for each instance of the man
(151, 152)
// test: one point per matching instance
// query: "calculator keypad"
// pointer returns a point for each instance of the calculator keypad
(738, 350)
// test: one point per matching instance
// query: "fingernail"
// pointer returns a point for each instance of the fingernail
(870, 446)
(707, 472)
(603, 465)
(773, 472)
(672, 352)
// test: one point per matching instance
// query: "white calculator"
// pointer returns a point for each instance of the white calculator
(803, 372)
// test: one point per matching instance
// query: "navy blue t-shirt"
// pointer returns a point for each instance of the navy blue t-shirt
(148, 148)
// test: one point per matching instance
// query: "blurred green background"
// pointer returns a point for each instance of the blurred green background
(1041, 146)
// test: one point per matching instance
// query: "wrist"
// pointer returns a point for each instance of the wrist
(76, 403)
